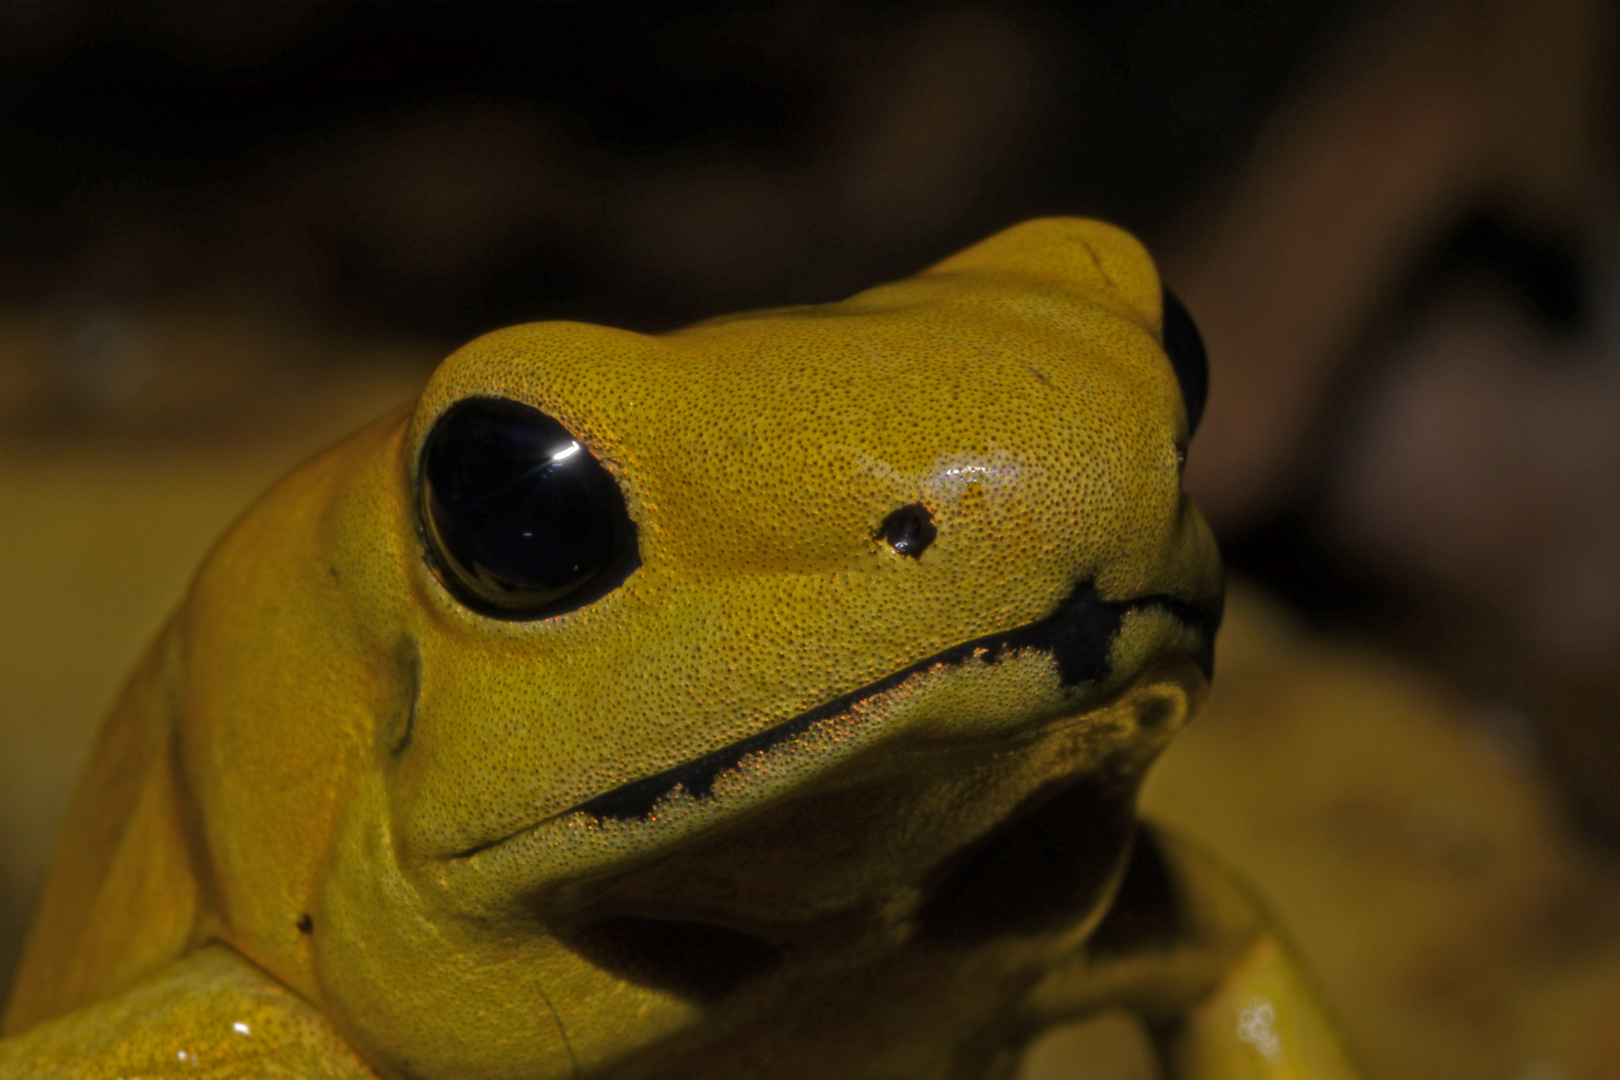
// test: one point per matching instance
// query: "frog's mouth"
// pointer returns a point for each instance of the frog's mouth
(1074, 649)
(698, 877)
(1078, 635)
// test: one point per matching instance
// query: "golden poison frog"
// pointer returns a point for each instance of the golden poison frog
(763, 699)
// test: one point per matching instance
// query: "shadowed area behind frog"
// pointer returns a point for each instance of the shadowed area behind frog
(595, 716)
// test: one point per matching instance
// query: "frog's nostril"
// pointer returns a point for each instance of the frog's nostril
(908, 530)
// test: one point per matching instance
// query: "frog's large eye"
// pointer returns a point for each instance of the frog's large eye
(521, 521)
(1185, 347)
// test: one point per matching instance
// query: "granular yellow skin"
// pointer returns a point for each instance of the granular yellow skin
(339, 802)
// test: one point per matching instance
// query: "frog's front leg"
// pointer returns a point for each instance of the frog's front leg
(1261, 1021)
(1190, 951)
(210, 1015)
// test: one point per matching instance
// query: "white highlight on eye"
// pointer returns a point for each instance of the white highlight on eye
(240, 1028)
(566, 452)
(1257, 1026)
(182, 1055)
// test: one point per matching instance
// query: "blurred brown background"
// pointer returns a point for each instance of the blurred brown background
(228, 233)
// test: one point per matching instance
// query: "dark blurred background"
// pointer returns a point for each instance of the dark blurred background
(443, 169)
(228, 233)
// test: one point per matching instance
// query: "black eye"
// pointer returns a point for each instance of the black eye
(1185, 347)
(521, 521)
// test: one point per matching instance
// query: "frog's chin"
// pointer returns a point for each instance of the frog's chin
(975, 702)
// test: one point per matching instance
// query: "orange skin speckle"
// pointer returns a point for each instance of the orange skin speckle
(337, 799)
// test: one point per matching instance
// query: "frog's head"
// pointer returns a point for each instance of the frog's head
(629, 681)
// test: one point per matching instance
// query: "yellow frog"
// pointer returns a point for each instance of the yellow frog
(765, 699)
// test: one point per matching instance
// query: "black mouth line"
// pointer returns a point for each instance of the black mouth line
(1078, 635)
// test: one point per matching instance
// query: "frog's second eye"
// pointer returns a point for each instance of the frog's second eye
(1185, 347)
(521, 521)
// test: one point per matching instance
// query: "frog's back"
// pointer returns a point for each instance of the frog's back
(132, 885)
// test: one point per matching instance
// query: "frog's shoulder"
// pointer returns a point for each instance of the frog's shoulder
(210, 1015)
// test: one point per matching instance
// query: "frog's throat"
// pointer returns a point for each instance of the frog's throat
(1078, 635)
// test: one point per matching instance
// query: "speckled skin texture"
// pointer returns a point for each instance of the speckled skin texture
(372, 808)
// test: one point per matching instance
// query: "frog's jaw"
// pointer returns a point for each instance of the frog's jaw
(728, 914)
(865, 826)
(974, 697)
(878, 854)
(907, 848)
